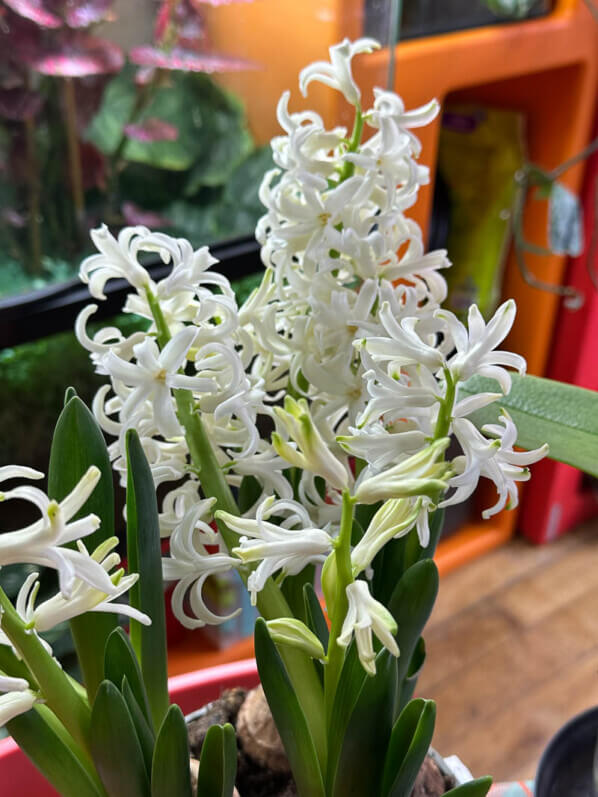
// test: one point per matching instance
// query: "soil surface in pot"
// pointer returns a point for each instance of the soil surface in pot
(262, 767)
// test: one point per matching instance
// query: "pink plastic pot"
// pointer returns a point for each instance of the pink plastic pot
(19, 777)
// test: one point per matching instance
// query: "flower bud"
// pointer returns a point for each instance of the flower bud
(292, 632)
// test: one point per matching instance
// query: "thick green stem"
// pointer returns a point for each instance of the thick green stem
(344, 577)
(55, 686)
(445, 413)
(354, 142)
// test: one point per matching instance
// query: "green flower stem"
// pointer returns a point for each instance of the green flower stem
(271, 603)
(445, 413)
(344, 577)
(354, 142)
(61, 697)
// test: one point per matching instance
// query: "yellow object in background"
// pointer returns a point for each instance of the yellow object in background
(480, 151)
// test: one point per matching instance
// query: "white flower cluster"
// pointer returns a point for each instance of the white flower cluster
(346, 326)
(86, 581)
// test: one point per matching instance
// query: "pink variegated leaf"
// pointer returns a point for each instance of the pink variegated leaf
(20, 41)
(42, 12)
(187, 60)
(134, 215)
(18, 104)
(178, 23)
(86, 12)
(79, 55)
(144, 75)
(152, 130)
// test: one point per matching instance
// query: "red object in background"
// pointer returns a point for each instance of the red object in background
(559, 496)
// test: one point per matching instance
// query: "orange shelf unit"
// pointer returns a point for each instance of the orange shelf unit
(546, 68)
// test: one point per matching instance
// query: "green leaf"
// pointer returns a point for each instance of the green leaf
(292, 589)
(170, 766)
(411, 604)
(546, 411)
(361, 759)
(288, 716)
(314, 615)
(143, 728)
(473, 788)
(249, 492)
(54, 752)
(218, 762)
(147, 595)
(407, 688)
(77, 444)
(120, 662)
(115, 747)
(408, 747)
(116, 110)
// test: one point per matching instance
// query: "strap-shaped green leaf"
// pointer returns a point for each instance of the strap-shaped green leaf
(147, 595)
(115, 747)
(473, 788)
(411, 604)
(144, 731)
(546, 411)
(171, 773)
(218, 762)
(361, 760)
(292, 589)
(119, 662)
(408, 747)
(407, 688)
(77, 444)
(314, 615)
(288, 715)
(398, 556)
(53, 751)
(349, 686)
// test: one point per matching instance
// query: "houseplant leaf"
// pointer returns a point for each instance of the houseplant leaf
(143, 727)
(170, 766)
(77, 444)
(546, 411)
(361, 759)
(314, 615)
(53, 751)
(120, 662)
(115, 747)
(474, 788)
(147, 595)
(407, 688)
(409, 743)
(218, 762)
(288, 715)
(411, 604)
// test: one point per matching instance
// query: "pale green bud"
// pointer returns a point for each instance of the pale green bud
(420, 474)
(312, 452)
(394, 519)
(292, 632)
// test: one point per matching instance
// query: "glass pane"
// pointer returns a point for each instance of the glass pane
(144, 112)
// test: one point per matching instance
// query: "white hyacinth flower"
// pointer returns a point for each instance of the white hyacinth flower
(337, 74)
(153, 377)
(83, 598)
(18, 698)
(366, 616)
(190, 564)
(475, 345)
(289, 547)
(492, 458)
(40, 543)
(394, 519)
(310, 452)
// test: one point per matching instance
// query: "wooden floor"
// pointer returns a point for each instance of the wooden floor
(513, 652)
